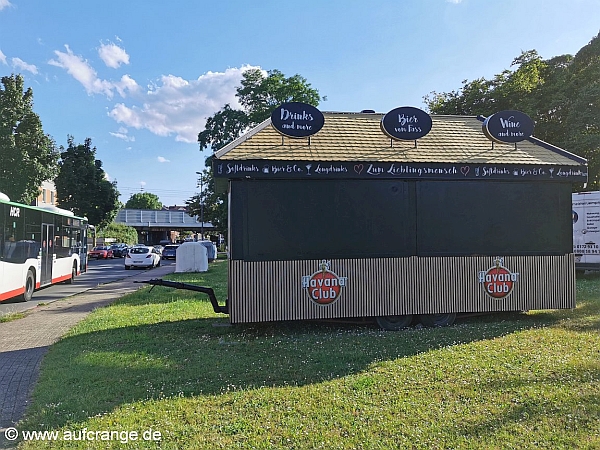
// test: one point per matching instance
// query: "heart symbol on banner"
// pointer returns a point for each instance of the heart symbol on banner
(358, 168)
(465, 170)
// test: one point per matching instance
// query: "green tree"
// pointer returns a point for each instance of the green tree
(486, 97)
(119, 232)
(28, 157)
(561, 95)
(82, 186)
(143, 200)
(259, 95)
(582, 124)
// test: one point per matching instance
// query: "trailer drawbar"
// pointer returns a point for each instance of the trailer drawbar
(190, 287)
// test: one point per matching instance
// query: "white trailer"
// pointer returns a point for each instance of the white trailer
(586, 230)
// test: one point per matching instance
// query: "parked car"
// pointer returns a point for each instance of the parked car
(119, 250)
(101, 252)
(142, 256)
(170, 251)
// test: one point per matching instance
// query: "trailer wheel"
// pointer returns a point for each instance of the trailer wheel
(394, 323)
(437, 320)
(29, 286)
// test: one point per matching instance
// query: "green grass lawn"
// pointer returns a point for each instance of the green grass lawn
(161, 360)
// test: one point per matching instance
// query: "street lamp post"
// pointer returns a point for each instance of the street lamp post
(201, 206)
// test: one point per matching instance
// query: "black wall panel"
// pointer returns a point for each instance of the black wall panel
(299, 219)
(287, 220)
(493, 218)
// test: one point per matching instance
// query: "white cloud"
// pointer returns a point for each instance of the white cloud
(456, 2)
(3, 57)
(122, 134)
(80, 69)
(113, 55)
(171, 106)
(4, 4)
(181, 107)
(126, 84)
(162, 160)
(19, 64)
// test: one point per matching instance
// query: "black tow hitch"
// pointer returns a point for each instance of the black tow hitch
(190, 287)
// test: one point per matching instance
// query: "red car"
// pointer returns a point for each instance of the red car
(101, 252)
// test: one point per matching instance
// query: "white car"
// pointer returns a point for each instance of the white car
(142, 256)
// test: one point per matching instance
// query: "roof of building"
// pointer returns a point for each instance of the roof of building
(358, 137)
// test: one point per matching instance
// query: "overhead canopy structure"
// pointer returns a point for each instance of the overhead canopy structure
(154, 225)
(160, 220)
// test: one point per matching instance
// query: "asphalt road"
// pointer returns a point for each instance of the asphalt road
(99, 272)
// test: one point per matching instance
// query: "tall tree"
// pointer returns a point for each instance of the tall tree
(259, 95)
(486, 97)
(583, 116)
(143, 200)
(561, 95)
(28, 157)
(82, 186)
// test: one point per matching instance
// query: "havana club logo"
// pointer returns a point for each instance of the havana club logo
(498, 281)
(323, 286)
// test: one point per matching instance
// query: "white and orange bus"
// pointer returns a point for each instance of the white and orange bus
(39, 246)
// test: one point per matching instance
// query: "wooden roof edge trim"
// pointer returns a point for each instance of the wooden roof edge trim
(558, 150)
(552, 148)
(473, 161)
(244, 137)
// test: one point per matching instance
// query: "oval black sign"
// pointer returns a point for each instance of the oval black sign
(297, 120)
(508, 126)
(406, 123)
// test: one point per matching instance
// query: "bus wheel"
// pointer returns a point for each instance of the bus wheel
(394, 323)
(73, 275)
(29, 286)
(437, 320)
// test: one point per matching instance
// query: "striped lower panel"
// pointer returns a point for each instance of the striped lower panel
(273, 290)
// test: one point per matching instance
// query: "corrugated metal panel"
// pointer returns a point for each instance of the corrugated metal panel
(158, 218)
(272, 290)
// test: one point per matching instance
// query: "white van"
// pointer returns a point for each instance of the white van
(586, 230)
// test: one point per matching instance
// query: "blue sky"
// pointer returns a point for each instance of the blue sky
(140, 77)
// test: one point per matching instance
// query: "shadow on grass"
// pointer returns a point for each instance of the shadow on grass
(92, 373)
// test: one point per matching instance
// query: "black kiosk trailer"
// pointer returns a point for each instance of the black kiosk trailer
(396, 217)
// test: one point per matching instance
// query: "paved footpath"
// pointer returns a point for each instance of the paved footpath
(24, 342)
